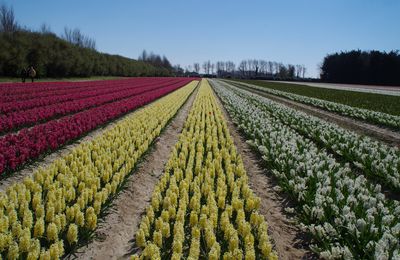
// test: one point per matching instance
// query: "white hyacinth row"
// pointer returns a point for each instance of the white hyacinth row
(347, 216)
(374, 117)
(374, 158)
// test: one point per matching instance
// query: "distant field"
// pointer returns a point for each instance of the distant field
(377, 102)
(3, 79)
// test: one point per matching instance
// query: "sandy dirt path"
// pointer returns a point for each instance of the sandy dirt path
(383, 134)
(113, 236)
(289, 241)
(384, 90)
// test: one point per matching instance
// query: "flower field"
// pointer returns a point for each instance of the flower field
(46, 215)
(374, 158)
(346, 214)
(80, 117)
(215, 171)
(375, 117)
(203, 207)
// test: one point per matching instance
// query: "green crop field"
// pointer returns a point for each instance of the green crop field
(377, 102)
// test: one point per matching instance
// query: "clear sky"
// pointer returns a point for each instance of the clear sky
(187, 31)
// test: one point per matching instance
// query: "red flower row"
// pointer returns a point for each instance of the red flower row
(28, 144)
(23, 91)
(16, 120)
(71, 93)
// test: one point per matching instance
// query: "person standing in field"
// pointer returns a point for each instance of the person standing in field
(31, 73)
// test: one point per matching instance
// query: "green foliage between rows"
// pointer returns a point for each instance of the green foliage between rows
(377, 102)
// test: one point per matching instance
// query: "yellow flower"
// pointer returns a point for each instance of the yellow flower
(79, 218)
(36, 200)
(25, 240)
(45, 255)
(16, 229)
(233, 242)
(5, 241)
(194, 250)
(157, 238)
(152, 252)
(150, 213)
(34, 250)
(91, 218)
(13, 251)
(165, 230)
(237, 254)
(215, 252)
(54, 251)
(177, 245)
(196, 232)
(52, 232)
(140, 238)
(193, 218)
(72, 234)
(70, 213)
(50, 214)
(4, 224)
(203, 221)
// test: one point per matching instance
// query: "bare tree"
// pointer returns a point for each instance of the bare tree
(271, 67)
(254, 66)
(304, 69)
(207, 67)
(8, 23)
(243, 68)
(196, 67)
(230, 66)
(298, 71)
(220, 67)
(78, 38)
(45, 29)
(263, 67)
(291, 71)
(143, 56)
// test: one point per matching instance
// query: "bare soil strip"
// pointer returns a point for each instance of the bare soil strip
(289, 241)
(113, 236)
(383, 134)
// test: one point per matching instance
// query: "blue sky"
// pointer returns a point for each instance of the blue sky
(187, 31)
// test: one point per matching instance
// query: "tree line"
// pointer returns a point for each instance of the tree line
(362, 67)
(72, 54)
(249, 69)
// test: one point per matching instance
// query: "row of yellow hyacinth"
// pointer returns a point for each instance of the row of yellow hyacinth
(202, 206)
(44, 216)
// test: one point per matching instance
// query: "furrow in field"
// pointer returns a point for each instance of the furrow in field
(374, 159)
(345, 214)
(16, 150)
(203, 207)
(385, 135)
(289, 241)
(370, 116)
(113, 236)
(53, 212)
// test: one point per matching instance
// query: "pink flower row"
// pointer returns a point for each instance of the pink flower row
(18, 91)
(73, 94)
(16, 120)
(28, 144)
